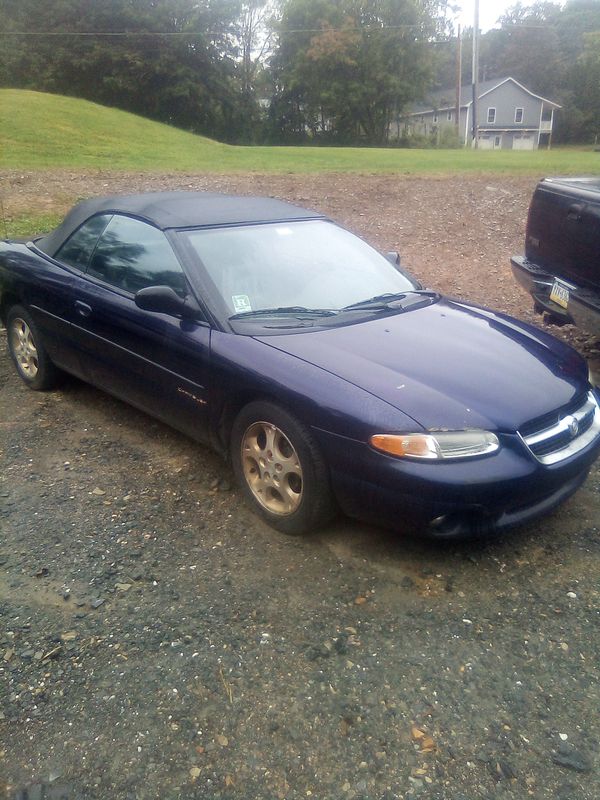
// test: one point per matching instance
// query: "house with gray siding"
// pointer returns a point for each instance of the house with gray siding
(510, 116)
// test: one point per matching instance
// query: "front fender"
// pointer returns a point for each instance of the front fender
(245, 369)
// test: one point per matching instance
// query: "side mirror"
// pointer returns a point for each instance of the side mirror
(394, 258)
(163, 300)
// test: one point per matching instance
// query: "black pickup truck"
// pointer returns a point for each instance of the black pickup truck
(561, 265)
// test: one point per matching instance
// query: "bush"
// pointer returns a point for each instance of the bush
(448, 139)
(444, 139)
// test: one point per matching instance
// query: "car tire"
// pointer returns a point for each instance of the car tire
(280, 469)
(27, 351)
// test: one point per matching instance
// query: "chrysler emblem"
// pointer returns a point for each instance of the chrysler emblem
(572, 426)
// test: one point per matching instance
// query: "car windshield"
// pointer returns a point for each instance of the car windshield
(312, 265)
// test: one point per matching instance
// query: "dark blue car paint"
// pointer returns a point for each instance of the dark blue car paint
(459, 348)
(46, 288)
(244, 368)
(155, 361)
(196, 377)
(404, 493)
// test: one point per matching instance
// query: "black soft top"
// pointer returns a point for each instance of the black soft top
(166, 210)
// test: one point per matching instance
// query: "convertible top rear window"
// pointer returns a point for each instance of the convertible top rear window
(78, 248)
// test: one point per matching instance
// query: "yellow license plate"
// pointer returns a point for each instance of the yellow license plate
(560, 294)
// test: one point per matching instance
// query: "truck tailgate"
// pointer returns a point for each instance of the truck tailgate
(563, 230)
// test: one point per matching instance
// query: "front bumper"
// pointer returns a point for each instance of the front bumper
(473, 497)
(584, 305)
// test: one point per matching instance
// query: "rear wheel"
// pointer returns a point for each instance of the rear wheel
(280, 469)
(27, 351)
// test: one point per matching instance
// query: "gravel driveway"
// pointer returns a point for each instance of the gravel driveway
(158, 641)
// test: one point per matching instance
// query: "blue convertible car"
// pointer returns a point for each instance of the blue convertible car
(325, 373)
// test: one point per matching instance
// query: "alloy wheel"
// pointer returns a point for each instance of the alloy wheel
(23, 348)
(272, 468)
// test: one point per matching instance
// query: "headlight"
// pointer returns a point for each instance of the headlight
(437, 446)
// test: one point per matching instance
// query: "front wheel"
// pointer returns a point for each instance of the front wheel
(280, 469)
(27, 351)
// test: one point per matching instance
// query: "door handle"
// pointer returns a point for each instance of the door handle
(574, 213)
(82, 308)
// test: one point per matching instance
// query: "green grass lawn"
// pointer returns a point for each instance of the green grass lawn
(27, 226)
(41, 131)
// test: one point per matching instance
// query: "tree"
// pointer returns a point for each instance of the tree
(526, 47)
(345, 68)
(582, 118)
(254, 38)
(552, 50)
(171, 60)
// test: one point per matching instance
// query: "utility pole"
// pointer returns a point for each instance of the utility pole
(458, 80)
(475, 75)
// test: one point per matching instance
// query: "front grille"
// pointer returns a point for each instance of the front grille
(548, 420)
(560, 435)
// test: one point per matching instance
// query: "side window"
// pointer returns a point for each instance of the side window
(132, 255)
(78, 248)
(491, 116)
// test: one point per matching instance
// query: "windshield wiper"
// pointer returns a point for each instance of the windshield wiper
(287, 310)
(386, 300)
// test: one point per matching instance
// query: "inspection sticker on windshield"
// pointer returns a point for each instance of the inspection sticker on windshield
(241, 303)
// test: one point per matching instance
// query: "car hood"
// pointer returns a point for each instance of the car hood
(448, 365)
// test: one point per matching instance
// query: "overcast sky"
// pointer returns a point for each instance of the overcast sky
(489, 11)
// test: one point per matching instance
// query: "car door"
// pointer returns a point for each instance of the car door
(158, 362)
(52, 284)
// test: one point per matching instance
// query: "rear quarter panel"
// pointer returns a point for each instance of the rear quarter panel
(44, 289)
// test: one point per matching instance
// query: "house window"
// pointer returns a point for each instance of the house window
(449, 116)
(518, 115)
(491, 117)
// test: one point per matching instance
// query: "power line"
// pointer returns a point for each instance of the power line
(195, 34)
(115, 33)
(202, 33)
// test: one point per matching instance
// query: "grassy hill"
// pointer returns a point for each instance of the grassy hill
(46, 130)
(40, 131)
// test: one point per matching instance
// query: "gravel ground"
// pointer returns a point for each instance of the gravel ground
(158, 641)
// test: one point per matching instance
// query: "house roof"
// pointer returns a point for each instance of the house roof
(444, 99)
